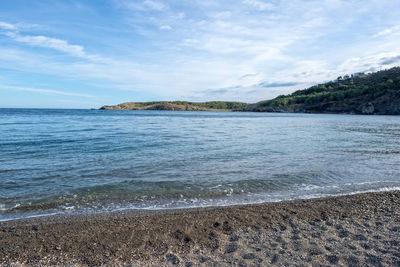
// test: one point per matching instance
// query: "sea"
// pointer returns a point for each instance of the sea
(63, 162)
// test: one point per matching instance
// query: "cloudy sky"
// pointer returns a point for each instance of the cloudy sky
(85, 54)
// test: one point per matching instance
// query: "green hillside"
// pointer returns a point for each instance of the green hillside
(374, 93)
(178, 105)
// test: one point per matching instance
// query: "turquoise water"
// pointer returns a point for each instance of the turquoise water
(89, 161)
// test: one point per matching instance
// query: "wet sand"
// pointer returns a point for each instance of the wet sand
(357, 230)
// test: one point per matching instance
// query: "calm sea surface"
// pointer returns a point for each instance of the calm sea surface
(89, 161)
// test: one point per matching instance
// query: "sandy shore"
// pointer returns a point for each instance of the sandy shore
(357, 230)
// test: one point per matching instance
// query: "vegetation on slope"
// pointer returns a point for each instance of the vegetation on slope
(374, 93)
(179, 105)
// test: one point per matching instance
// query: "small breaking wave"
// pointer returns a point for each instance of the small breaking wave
(12, 213)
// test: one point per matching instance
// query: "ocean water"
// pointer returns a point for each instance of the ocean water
(90, 161)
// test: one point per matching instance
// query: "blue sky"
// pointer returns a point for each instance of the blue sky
(85, 54)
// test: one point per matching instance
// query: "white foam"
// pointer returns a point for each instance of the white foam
(30, 216)
(241, 199)
(3, 207)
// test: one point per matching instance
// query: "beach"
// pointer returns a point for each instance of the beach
(199, 133)
(354, 230)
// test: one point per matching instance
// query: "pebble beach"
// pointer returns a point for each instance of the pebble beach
(355, 230)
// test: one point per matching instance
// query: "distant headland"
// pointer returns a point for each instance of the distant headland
(179, 105)
(359, 93)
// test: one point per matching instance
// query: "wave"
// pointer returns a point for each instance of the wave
(14, 212)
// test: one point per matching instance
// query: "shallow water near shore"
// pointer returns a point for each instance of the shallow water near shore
(90, 161)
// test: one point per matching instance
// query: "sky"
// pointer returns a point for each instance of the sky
(86, 54)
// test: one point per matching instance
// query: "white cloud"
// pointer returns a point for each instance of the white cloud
(190, 42)
(144, 5)
(166, 27)
(221, 15)
(44, 91)
(216, 44)
(48, 42)
(7, 26)
(155, 5)
(42, 41)
(370, 63)
(388, 31)
(258, 4)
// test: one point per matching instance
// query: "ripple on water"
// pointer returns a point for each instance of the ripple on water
(72, 161)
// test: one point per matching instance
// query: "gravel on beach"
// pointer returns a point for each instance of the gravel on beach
(354, 230)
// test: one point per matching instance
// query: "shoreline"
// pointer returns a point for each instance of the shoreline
(353, 229)
(132, 212)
